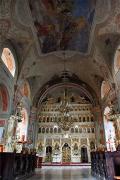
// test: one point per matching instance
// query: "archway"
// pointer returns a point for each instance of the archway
(48, 154)
(84, 154)
(66, 153)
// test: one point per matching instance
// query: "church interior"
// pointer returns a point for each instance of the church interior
(59, 89)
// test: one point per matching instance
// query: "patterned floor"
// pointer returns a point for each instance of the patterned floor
(63, 173)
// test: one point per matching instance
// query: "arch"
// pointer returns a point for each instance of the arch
(117, 60)
(87, 91)
(105, 88)
(9, 61)
(4, 98)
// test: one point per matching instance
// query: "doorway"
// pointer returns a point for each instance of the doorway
(48, 154)
(66, 153)
(84, 155)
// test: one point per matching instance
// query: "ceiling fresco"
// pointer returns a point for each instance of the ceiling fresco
(63, 24)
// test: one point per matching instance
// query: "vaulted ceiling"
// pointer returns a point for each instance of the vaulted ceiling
(83, 34)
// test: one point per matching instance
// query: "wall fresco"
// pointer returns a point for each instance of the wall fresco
(4, 97)
(63, 24)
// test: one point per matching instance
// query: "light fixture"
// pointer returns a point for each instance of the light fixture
(65, 119)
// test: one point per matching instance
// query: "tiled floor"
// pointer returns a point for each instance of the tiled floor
(63, 173)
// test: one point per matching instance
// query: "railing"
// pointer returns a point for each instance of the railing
(16, 166)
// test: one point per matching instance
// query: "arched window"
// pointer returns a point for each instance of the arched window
(117, 60)
(8, 59)
(105, 88)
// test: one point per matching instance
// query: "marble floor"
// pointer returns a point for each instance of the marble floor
(63, 173)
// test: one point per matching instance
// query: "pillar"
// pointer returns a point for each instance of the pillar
(99, 126)
(32, 127)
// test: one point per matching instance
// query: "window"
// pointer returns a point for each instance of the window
(8, 59)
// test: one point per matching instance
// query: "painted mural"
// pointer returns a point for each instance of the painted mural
(63, 24)
(3, 98)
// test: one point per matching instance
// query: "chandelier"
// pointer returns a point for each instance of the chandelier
(65, 119)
